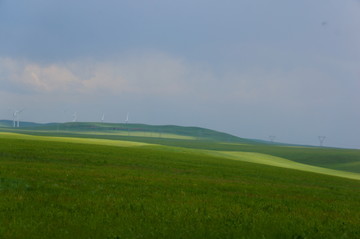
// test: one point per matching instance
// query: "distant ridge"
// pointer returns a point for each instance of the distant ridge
(195, 132)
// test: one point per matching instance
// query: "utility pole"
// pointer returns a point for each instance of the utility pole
(321, 140)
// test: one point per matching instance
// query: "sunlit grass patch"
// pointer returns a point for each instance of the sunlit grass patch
(142, 134)
(283, 163)
(73, 140)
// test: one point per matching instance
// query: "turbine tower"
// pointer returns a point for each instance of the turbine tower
(321, 140)
(74, 117)
(102, 118)
(14, 118)
(127, 118)
(18, 117)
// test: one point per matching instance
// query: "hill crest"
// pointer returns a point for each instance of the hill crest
(186, 131)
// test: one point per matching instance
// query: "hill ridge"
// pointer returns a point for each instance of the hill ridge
(190, 131)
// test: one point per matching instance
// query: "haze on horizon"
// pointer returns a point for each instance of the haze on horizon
(252, 68)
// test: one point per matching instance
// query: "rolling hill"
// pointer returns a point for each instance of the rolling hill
(91, 180)
(158, 131)
(85, 187)
(198, 139)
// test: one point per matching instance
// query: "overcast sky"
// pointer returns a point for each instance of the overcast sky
(252, 68)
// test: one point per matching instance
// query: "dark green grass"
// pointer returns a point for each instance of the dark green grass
(63, 190)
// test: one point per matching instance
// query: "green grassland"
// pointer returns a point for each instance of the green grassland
(189, 137)
(114, 183)
(78, 188)
(252, 157)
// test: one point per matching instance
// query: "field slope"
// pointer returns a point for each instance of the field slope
(101, 188)
(197, 138)
(250, 157)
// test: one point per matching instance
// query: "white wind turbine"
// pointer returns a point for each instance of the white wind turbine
(102, 118)
(127, 118)
(14, 118)
(18, 117)
(74, 117)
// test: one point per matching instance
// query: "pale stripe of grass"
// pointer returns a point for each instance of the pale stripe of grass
(140, 134)
(281, 162)
(108, 142)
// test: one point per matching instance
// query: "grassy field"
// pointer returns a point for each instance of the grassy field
(252, 157)
(331, 158)
(101, 188)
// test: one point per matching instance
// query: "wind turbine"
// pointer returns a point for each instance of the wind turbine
(74, 117)
(127, 118)
(14, 118)
(102, 118)
(18, 117)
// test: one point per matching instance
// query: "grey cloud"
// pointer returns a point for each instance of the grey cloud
(63, 30)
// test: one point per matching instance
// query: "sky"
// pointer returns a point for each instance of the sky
(252, 68)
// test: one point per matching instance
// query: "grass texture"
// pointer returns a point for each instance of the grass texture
(62, 189)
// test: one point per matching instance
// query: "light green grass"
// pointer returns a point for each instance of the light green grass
(283, 163)
(74, 140)
(121, 133)
(142, 134)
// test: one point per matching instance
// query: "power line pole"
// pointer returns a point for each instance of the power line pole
(321, 140)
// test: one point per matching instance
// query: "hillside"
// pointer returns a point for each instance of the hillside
(196, 138)
(80, 188)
